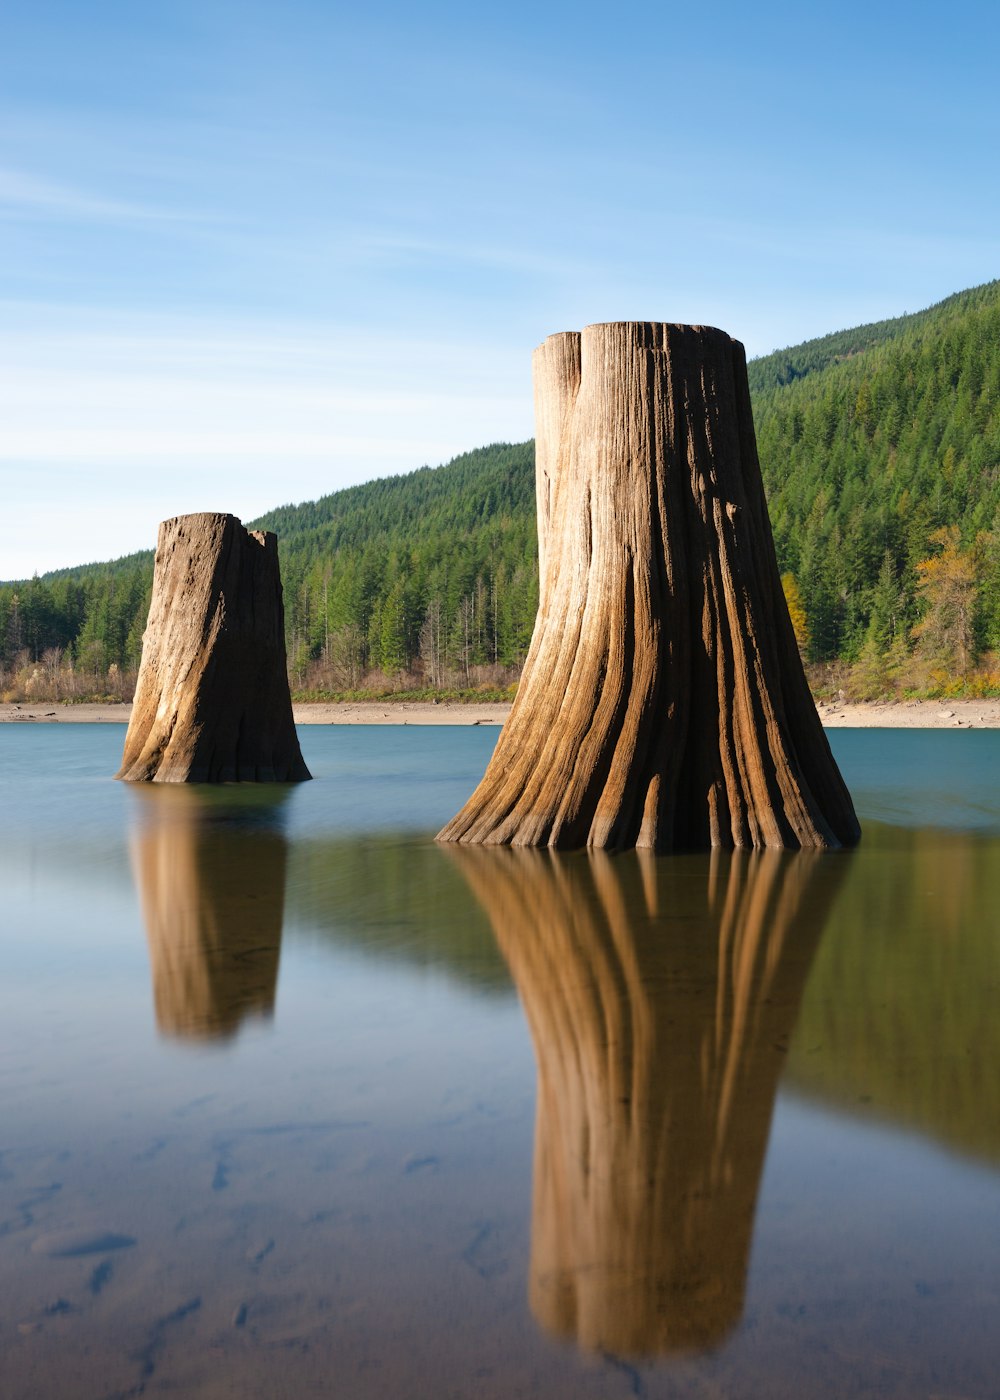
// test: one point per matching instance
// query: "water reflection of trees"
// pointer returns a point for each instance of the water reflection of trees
(390, 897)
(210, 870)
(898, 1021)
(903, 996)
(661, 995)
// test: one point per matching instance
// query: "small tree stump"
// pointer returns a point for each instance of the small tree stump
(212, 703)
(663, 703)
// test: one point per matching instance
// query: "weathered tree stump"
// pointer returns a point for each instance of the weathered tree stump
(212, 703)
(663, 702)
(660, 997)
(211, 881)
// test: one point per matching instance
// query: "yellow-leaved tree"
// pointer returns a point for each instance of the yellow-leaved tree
(796, 611)
(947, 584)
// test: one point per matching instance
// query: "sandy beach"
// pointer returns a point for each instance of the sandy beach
(359, 713)
(913, 714)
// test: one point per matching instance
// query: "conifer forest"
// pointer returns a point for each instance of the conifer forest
(880, 450)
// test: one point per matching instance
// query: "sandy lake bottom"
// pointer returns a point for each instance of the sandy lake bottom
(295, 1102)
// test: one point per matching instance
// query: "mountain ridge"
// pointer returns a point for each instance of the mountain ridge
(873, 440)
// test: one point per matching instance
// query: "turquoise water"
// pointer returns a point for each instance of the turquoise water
(294, 1101)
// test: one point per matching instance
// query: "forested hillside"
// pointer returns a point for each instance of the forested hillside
(880, 448)
(881, 457)
(434, 571)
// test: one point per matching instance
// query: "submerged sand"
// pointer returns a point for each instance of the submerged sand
(913, 714)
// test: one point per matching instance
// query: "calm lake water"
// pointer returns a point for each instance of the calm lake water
(295, 1103)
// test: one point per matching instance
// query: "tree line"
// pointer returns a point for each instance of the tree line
(880, 449)
(429, 578)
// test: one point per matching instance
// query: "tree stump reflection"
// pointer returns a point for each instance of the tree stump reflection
(210, 872)
(661, 996)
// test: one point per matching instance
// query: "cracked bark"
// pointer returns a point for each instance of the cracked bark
(212, 703)
(663, 702)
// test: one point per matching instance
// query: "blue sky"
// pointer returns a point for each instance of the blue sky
(251, 252)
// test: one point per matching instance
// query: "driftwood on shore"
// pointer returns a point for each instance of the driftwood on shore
(663, 702)
(212, 703)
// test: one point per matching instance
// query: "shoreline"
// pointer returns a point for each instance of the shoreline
(901, 714)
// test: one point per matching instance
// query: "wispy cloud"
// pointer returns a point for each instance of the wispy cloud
(37, 197)
(521, 258)
(159, 415)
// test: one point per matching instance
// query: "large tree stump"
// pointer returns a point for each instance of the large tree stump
(212, 703)
(663, 702)
(661, 998)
